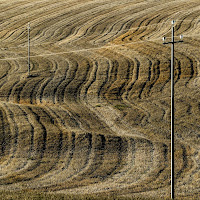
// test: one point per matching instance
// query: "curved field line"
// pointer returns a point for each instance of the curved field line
(94, 116)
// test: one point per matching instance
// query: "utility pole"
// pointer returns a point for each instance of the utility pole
(29, 48)
(172, 104)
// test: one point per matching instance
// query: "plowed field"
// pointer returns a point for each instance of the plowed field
(93, 117)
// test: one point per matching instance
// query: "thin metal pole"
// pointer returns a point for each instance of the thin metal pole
(172, 114)
(28, 48)
(172, 103)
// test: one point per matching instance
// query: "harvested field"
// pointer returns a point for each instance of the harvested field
(93, 118)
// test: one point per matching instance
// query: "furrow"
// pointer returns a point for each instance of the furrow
(22, 159)
(73, 89)
(84, 94)
(101, 76)
(156, 75)
(5, 136)
(118, 87)
(51, 86)
(45, 158)
(14, 137)
(71, 73)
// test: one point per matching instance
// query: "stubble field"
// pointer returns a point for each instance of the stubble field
(93, 118)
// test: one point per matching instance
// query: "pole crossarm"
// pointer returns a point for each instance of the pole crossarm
(173, 42)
